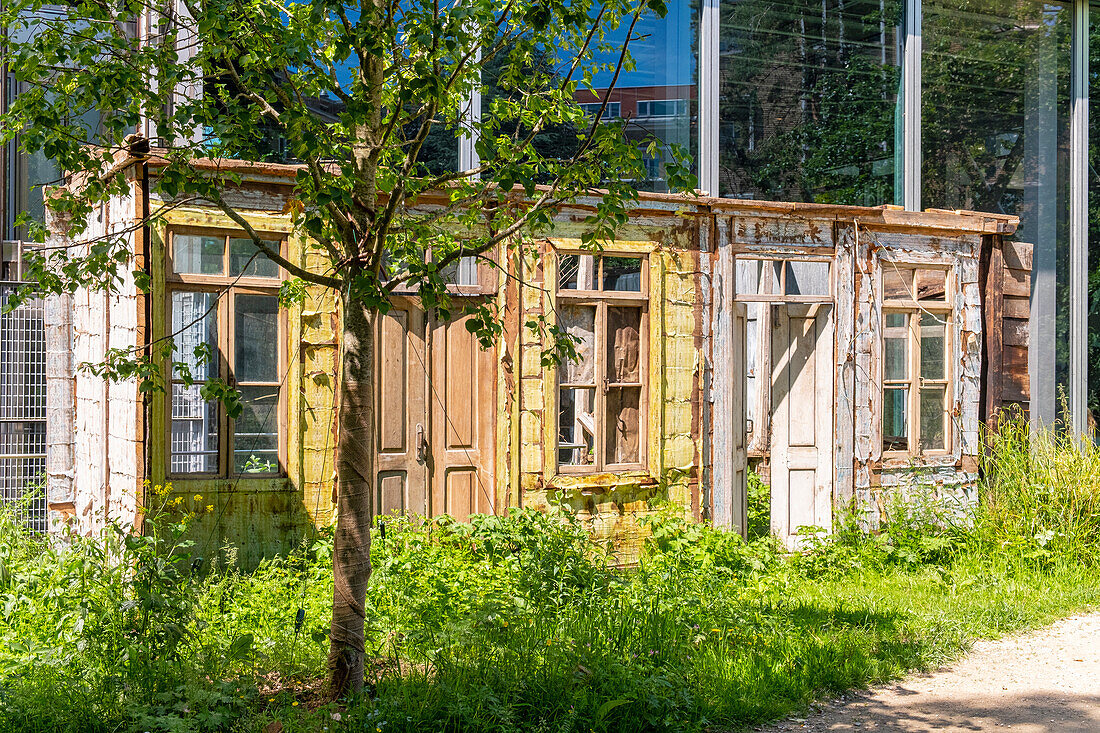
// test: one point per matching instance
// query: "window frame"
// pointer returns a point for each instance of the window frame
(602, 300)
(915, 308)
(230, 287)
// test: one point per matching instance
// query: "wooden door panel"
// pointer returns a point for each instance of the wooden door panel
(462, 393)
(802, 420)
(402, 484)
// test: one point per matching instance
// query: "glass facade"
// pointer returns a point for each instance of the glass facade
(806, 100)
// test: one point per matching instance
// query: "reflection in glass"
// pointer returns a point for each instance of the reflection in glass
(256, 338)
(576, 427)
(256, 431)
(244, 256)
(895, 424)
(194, 438)
(932, 336)
(806, 106)
(932, 418)
(897, 284)
(195, 325)
(896, 347)
(622, 274)
(995, 137)
(931, 285)
(196, 255)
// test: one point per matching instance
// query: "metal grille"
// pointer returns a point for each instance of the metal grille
(23, 408)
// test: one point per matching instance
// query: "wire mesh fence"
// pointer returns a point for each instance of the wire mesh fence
(23, 408)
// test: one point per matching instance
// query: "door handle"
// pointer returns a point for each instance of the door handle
(421, 445)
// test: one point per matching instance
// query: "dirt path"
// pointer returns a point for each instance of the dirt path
(1044, 681)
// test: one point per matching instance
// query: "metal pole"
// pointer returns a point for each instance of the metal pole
(1078, 221)
(911, 107)
(709, 66)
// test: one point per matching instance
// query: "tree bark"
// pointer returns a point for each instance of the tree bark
(355, 498)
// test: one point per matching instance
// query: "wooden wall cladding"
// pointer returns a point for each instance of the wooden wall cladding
(1005, 274)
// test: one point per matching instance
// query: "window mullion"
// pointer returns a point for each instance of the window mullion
(914, 379)
(225, 335)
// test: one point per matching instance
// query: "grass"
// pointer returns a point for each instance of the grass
(518, 624)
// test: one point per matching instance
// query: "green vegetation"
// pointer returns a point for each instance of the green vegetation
(519, 624)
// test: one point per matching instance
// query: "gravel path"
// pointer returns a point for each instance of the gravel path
(1040, 682)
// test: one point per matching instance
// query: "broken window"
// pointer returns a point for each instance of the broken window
(225, 324)
(915, 368)
(602, 305)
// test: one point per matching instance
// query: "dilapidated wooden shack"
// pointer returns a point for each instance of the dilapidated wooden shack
(840, 350)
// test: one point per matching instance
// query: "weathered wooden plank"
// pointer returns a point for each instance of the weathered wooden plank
(992, 277)
(1017, 283)
(1017, 308)
(1015, 332)
(844, 364)
(1018, 255)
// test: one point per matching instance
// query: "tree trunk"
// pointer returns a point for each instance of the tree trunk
(355, 498)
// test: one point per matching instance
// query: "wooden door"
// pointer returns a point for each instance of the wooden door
(802, 420)
(401, 460)
(462, 397)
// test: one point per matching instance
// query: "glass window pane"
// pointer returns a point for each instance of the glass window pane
(807, 278)
(194, 439)
(576, 427)
(932, 357)
(196, 255)
(256, 333)
(256, 431)
(895, 422)
(195, 325)
(896, 347)
(579, 321)
(462, 271)
(623, 424)
(624, 328)
(897, 282)
(244, 254)
(807, 100)
(931, 285)
(932, 416)
(758, 277)
(576, 272)
(623, 274)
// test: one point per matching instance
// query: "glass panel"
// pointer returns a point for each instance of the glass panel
(932, 285)
(196, 255)
(896, 347)
(256, 431)
(243, 254)
(996, 138)
(579, 321)
(195, 325)
(194, 439)
(623, 424)
(462, 272)
(655, 101)
(932, 340)
(576, 427)
(807, 110)
(897, 283)
(807, 278)
(932, 415)
(623, 274)
(256, 351)
(576, 272)
(624, 329)
(895, 423)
